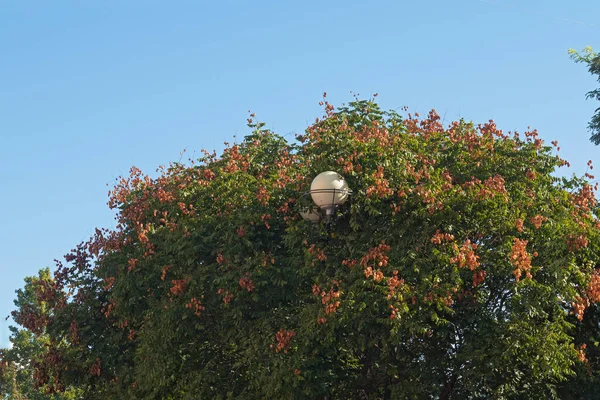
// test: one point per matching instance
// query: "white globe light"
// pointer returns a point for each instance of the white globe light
(311, 214)
(329, 189)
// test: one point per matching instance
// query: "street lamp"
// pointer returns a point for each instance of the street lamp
(328, 191)
(311, 214)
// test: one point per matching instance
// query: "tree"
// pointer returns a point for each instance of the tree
(461, 267)
(592, 59)
(20, 363)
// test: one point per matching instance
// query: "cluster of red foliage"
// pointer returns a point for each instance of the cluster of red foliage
(351, 163)
(478, 277)
(375, 258)
(593, 291)
(538, 220)
(426, 126)
(133, 261)
(530, 174)
(96, 368)
(50, 364)
(286, 210)
(349, 263)
(439, 237)
(381, 188)
(108, 308)
(317, 253)
(263, 196)
(579, 305)
(195, 305)
(286, 160)
(268, 259)
(578, 242)
(430, 197)
(466, 258)
(519, 224)
(74, 329)
(433, 297)
(284, 339)
(584, 199)
(226, 295)
(493, 186)
(164, 271)
(581, 353)
(247, 283)
(186, 209)
(178, 286)
(31, 318)
(109, 282)
(208, 174)
(329, 298)
(394, 284)
(465, 255)
(236, 161)
(520, 259)
(592, 294)
(265, 218)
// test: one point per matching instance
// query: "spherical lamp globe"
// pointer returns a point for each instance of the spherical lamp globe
(328, 190)
(311, 214)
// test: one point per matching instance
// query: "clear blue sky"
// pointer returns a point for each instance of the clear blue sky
(90, 88)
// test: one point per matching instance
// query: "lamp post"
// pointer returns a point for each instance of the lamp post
(328, 191)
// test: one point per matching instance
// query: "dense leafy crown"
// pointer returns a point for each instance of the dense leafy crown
(460, 268)
(592, 59)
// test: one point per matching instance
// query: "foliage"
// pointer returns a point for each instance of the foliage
(460, 268)
(29, 346)
(592, 59)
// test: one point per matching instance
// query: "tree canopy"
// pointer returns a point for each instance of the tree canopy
(592, 60)
(461, 267)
